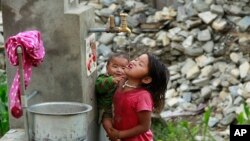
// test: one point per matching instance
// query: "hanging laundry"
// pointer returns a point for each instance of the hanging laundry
(33, 54)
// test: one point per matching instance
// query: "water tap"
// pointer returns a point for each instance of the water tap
(112, 28)
(124, 25)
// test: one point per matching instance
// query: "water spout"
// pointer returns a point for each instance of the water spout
(112, 28)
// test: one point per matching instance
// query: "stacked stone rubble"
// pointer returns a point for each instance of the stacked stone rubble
(204, 43)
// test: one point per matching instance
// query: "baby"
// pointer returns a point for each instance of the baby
(106, 85)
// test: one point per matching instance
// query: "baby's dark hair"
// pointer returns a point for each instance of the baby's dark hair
(120, 54)
(160, 77)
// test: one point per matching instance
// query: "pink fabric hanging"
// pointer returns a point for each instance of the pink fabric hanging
(33, 55)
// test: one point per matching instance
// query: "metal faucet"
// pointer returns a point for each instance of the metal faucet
(112, 28)
(124, 25)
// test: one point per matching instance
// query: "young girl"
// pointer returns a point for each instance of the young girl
(134, 101)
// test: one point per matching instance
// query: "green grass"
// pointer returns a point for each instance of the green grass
(186, 129)
(182, 129)
(244, 116)
(4, 117)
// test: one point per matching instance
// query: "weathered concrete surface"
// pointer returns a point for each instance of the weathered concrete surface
(14, 135)
(62, 76)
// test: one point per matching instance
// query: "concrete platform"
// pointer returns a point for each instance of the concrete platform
(14, 135)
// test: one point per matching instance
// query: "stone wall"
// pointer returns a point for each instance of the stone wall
(204, 43)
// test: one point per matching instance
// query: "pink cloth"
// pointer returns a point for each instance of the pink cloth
(126, 106)
(33, 54)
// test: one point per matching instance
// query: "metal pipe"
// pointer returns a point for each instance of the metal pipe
(32, 94)
(20, 63)
(98, 30)
(111, 22)
(23, 96)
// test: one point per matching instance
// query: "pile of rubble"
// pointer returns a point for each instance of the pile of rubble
(205, 43)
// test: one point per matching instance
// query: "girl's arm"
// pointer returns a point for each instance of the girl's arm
(143, 126)
(107, 125)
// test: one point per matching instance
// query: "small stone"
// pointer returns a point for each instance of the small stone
(235, 72)
(189, 106)
(189, 63)
(104, 50)
(181, 13)
(193, 72)
(248, 101)
(244, 69)
(201, 81)
(244, 23)
(219, 24)
(206, 92)
(148, 42)
(228, 119)
(234, 9)
(171, 93)
(187, 96)
(173, 101)
(188, 42)
(193, 51)
(193, 23)
(244, 41)
(218, 9)
(106, 38)
(200, 5)
(247, 87)
(162, 37)
(212, 121)
(238, 100)
(207, 71)
(204, 60)
(120, 40)
(216, 82)
(234, 57)
(208, 46)
(175, 77)
(184, 87)
(204, 35)
(207, 16)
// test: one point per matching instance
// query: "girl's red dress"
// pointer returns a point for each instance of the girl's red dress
(126, 106)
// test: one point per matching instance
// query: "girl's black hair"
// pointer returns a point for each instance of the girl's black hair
(160, 77)
(121, 54)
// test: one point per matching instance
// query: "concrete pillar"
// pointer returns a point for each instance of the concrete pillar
(63, 74)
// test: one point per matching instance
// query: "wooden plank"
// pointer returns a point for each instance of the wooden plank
(153, 27)
(150, 25)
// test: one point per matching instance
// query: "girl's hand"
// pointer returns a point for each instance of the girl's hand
(113, 134)
(113, 140)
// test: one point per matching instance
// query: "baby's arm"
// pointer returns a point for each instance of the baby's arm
(143, 126)
(104, 84)
(117, 80)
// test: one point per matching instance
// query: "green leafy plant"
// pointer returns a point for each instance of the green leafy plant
(206, 117)
(182, 129)
(4, 117)
(244, 116)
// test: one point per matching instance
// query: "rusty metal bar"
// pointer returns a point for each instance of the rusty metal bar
(23, 96)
